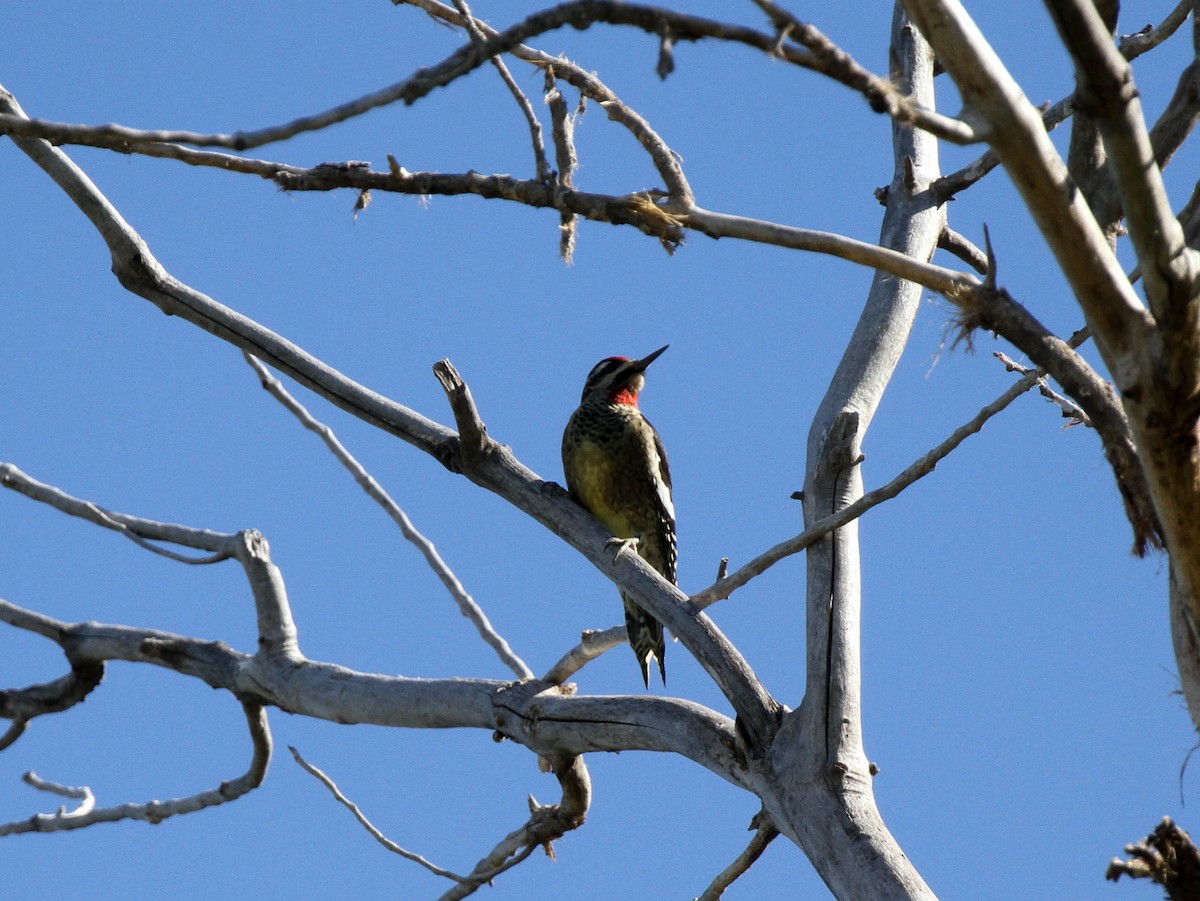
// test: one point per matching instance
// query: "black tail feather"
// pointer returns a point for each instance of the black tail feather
(646, 638)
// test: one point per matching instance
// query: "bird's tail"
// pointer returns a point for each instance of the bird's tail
(646, 639)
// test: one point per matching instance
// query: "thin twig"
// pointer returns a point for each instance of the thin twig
(466, 604)
(591, 645)
(368, 825)
(140, 531)
(535, 127)
(1070, 409)
(765, 833)
(920, 468)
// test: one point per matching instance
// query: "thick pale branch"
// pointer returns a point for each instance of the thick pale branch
(1053, 115)
(820, 744)
(1017, 134)
(1104, 87)
(541, 717)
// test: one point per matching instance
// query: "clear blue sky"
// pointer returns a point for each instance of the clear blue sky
(1019, 681)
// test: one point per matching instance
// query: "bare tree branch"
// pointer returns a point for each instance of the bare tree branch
(563, 131)
(764, 833)
(376, 834)
(138, 530)
(1018, 136)
(546, 824)
(153, 811)
(467, 605)
(1069, 408)
(498, 471)
(1134, 45)
(24, 704)
(1105, 88)
(919, 468)
(883, 96)
(591, 645)
(535, 127)
(958, 245)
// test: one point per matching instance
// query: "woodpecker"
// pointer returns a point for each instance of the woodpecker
(617, 469)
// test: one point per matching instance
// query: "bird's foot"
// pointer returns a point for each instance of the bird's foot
(623, 546)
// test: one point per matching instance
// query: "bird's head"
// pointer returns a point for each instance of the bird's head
(618, 380)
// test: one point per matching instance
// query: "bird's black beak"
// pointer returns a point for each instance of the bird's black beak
(640, 365)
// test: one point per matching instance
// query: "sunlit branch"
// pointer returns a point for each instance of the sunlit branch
(499, 471)
(1134, 45)
(563, 132)
(466, 604)
(922, 467)
(374, 831)
(764, 833)
(140, 531)
(1070, 409)
(881, 93)
(535, 127)
(153, 811)
(1055, 114)
(591, 645)
(1105, 88)
(546, 823)
(722, 225)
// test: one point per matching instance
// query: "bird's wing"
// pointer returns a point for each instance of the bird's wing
(665, 505)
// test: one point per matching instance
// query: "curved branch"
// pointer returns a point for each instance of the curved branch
(544, 718)
(546, 824)
(135, 528)
(321, 776)
(24, 704)
(155, 811)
